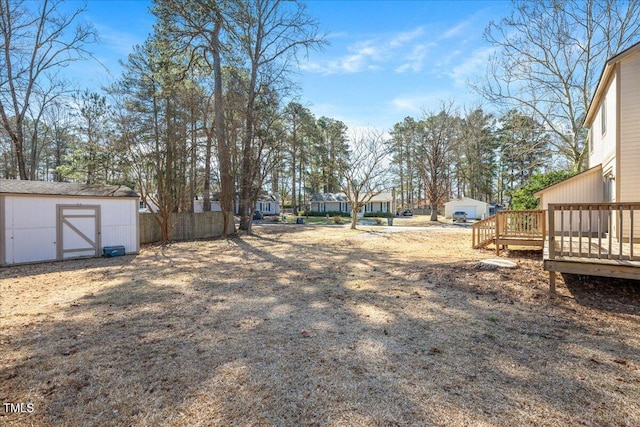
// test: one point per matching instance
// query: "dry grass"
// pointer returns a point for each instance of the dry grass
(301, 325)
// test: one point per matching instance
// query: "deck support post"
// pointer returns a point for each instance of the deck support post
(552, 282)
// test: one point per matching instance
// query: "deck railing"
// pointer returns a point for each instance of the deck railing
(523, 227)
(594, 230)
(483, 232)
(521, 224)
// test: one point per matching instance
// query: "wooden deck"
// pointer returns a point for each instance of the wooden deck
(510, 228)
(593, 239)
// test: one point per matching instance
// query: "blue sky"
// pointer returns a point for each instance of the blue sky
(386, 59)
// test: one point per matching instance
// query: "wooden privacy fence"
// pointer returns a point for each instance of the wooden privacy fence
(186, 226)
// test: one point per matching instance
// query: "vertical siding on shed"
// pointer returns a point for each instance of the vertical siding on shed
(3, 245)
(30, 225)
(30, 229)
(119, 219)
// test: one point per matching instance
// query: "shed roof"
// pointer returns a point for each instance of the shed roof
(466, 200)
(12, 186)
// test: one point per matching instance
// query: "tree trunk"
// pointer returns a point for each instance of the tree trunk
(18, 140)
(354, 217)
(224, 152)
(206, 203)
(434, 211)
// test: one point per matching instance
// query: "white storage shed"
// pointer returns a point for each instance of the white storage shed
(475, 209)
(49, 221)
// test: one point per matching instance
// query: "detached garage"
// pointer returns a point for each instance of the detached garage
(49, 221)
(475, 209)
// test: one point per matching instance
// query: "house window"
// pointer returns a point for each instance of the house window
(603, 116)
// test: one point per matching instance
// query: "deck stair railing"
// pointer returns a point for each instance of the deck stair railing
(522, 227)
(603, 231)
(484, 232)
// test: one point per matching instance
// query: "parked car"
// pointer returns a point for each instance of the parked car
(407, 212)
(459, 216)
(258, 215)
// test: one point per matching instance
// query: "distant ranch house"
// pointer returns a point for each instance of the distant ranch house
(338, 202)
(267, 204)
(49, 221)
(475, 209)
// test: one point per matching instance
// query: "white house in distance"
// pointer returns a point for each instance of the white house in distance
(49, 221)
(338, 202)
(475, 209)
(267, 204)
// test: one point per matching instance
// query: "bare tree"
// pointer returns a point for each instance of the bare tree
(299, 120)
(549, 54)
(269, 34)
(438, 134)
(36, 39)
(365, 173)
(201, 27)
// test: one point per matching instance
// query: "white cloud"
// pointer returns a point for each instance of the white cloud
(373, 53)
(456, 30)
(119, 42)
(416, 105)
(405, 37)
(415, 59)
(474, 65)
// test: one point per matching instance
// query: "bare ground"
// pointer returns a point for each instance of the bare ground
(317, 326)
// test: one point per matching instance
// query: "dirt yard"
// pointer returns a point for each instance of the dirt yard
(316, 326)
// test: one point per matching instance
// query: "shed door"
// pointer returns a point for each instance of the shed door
(470, 210)
(78, 231)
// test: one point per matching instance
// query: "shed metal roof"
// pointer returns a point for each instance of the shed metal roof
(12, 186)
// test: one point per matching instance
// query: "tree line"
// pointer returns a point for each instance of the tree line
(204, 108)
(447, 154)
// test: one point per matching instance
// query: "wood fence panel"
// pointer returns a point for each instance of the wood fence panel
(186, 226)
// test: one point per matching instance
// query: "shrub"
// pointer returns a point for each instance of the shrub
(379, 215)
(330, 213)
(523, 197)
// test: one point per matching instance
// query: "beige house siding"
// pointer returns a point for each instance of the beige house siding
(628, 179)
(586, 187)
(603, 150)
